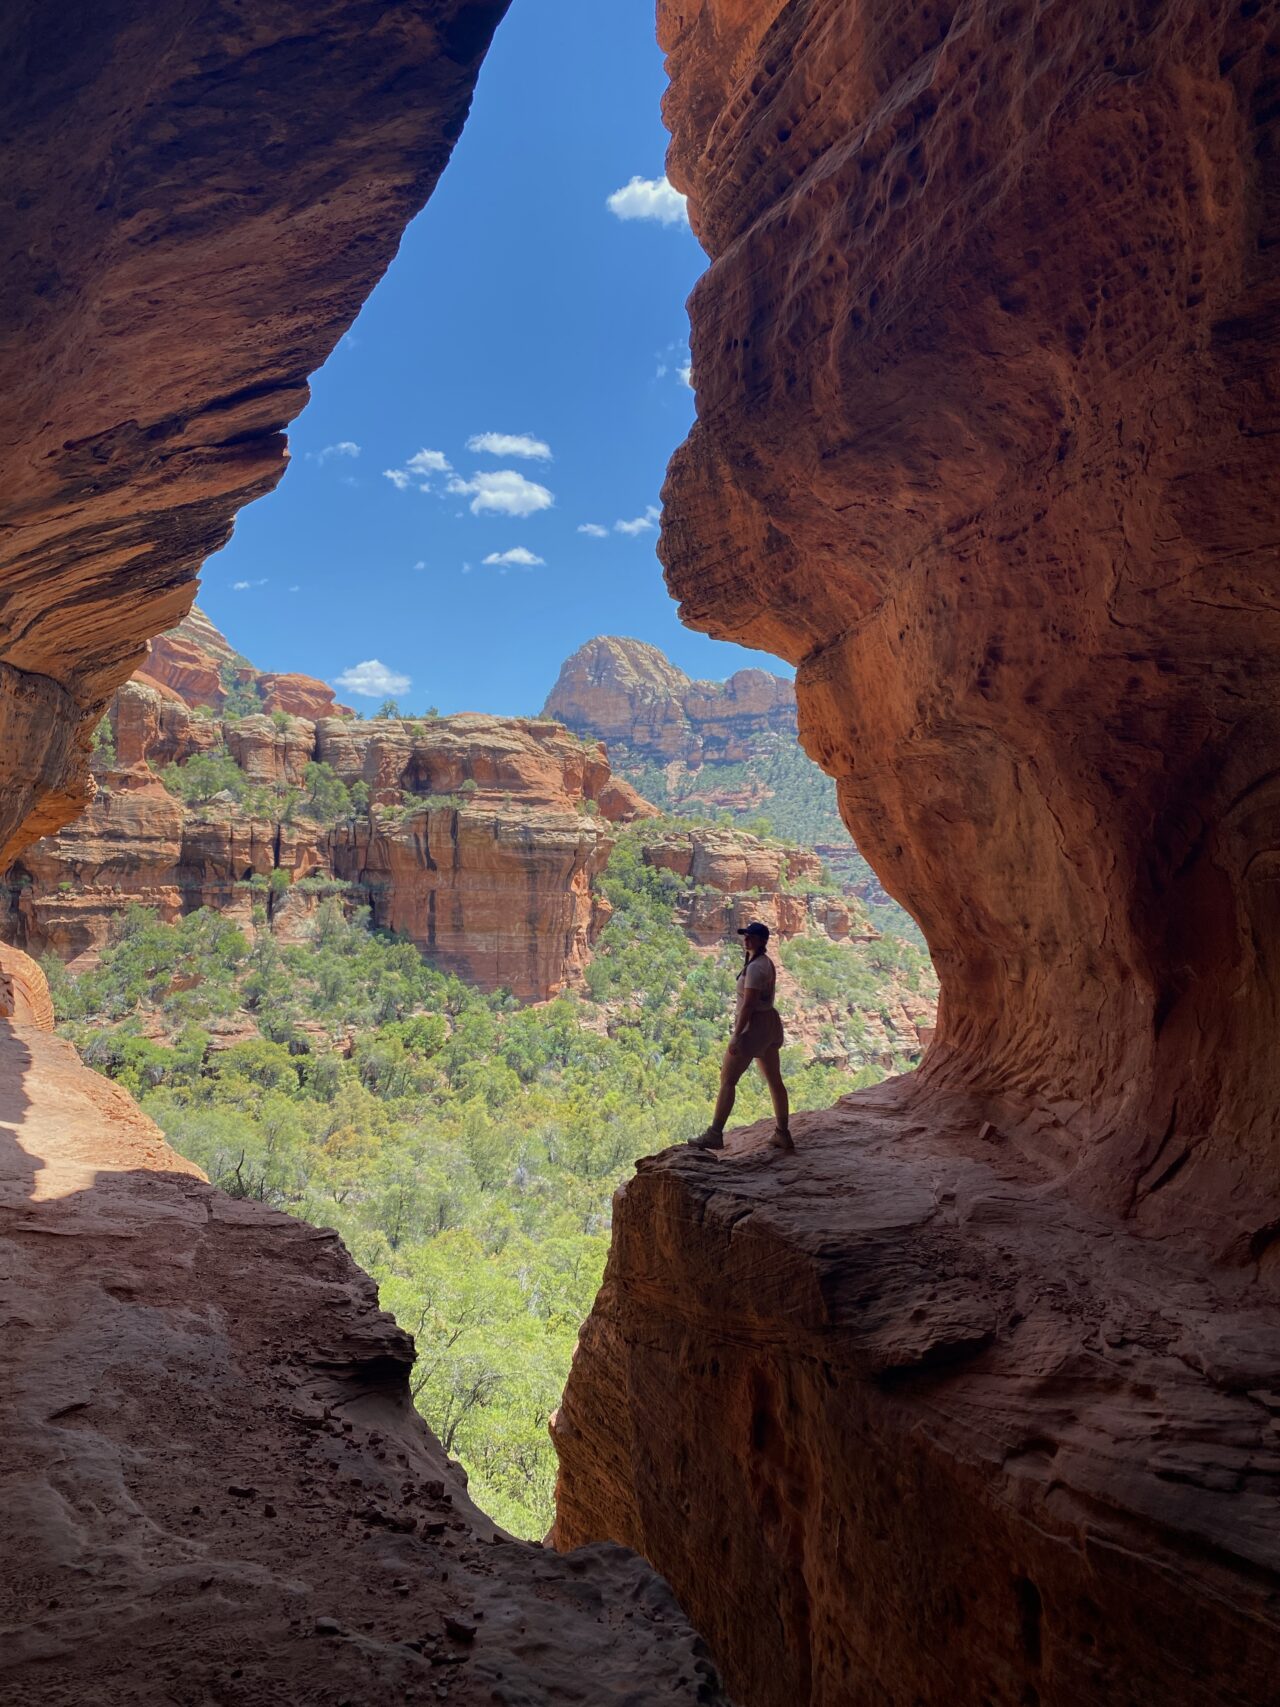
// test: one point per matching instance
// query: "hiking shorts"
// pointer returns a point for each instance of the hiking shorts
(764, 1032)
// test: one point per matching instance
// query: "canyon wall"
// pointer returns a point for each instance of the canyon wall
(973, 1400)
(478, 838)
(734, 878)
(201, 199)
(201, 666)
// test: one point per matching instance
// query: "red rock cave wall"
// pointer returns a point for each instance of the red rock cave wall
(986, 375)
(201, 198)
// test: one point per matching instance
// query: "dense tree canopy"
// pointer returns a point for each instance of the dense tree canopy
(466, 1148)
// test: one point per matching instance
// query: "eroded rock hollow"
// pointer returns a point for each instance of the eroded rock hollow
(974, 1400)
(986, 370)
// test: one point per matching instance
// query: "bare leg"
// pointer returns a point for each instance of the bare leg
(771, 1066)
(731, 1070)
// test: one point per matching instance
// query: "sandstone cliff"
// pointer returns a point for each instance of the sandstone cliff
(478, 838)
(199, 664)
(629, 694)
(985, 362)
(898, 1428)
(710, 748)
(1012, 516)
(733, 878)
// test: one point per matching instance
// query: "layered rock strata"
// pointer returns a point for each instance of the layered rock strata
(198, 663)
(974, 1400)
(482, 840)
(201, 198)
(629, 694)
(209, 1500)
(734, 878)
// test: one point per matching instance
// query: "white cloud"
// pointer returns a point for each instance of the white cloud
(504, 493)
(649, 198)
(243, 586)
(419, 564)
(372, 680)
(640, 524)
(511, 444)
(295, 589)
(686, 374)
(429, 462)
(594, 529)
(518, 555)
(344, 447)
(398, 478)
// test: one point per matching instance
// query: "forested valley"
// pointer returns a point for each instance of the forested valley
(465, 1147)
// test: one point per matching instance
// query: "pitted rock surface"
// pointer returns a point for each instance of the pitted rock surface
(986, 366)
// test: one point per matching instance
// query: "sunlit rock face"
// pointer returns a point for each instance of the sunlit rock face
(200, 198)
(735, 878)
(985, 365)
(482, 842)
(632, 696)
(488, 854)
(199, 664)
(986, 374)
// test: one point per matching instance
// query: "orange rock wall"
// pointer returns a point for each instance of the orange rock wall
(999, 285)
(483, 844)
(630, 694)
(734, 878)
(197, 662)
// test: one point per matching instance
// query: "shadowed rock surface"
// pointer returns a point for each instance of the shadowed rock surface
(974, 1399)
(215, 1486)
(201, 197)
(902, 1426)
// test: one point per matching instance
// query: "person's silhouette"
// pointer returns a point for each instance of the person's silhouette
(757, 1036)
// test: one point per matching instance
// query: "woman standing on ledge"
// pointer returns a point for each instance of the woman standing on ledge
(757, 1036)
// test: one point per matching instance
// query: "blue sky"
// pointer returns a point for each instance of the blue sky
(522, 360)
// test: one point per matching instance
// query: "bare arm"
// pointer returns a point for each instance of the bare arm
(747, 1002)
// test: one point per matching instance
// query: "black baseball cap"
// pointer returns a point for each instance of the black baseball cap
(755, 929)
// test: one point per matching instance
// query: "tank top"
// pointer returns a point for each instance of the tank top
(761, 976)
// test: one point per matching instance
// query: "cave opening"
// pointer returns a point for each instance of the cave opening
(436, 966)
(972, 1397)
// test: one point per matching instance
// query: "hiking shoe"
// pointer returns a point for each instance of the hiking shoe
(781, 1141)
(708, 1140)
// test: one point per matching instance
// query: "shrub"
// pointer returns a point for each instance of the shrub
(205, 775)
